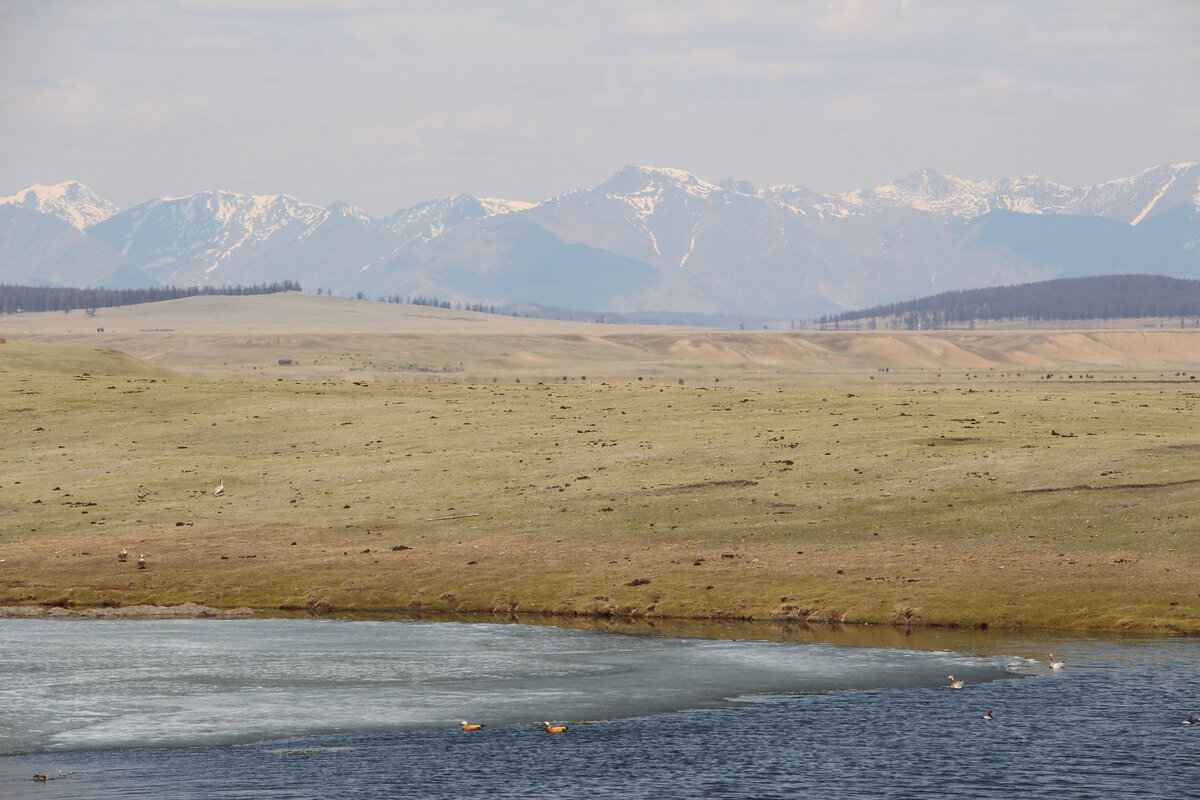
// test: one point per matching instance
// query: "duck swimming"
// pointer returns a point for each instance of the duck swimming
(554, 728)
(954, 684)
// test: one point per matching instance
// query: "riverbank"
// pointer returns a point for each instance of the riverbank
(857, 498)
(182, 611)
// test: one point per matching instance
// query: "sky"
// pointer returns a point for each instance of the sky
(385, 104)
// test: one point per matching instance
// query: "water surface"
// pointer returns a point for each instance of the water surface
(86, 684)
(336, 709)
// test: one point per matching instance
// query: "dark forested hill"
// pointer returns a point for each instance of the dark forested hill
(1100, 297)
(14, 298)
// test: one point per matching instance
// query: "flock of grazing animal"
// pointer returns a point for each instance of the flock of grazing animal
(123, 556)
(142, 494)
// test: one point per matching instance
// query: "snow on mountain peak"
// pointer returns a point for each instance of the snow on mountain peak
(643, 180)
(340, 209)
(211, 226)
(1139, 196)
(950, 196)
(70, 201)
(494, 205)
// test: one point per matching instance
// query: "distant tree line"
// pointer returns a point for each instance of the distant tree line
(1098, 297)
(421, 300)
(14, 298)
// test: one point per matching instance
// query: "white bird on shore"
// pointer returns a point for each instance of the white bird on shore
(123, 555)
(954, 684)
(220, 490)
(141, 562)
(1055, 664)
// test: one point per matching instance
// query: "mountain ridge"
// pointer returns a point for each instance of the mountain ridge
(680, 243)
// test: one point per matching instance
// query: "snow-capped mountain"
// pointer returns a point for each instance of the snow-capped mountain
(947, 196)
(184, 240)
(1129, 200)
(70, 201)
(224, 238)
(780, 249)
(1140, 197)
(429, 220)
(659, 239)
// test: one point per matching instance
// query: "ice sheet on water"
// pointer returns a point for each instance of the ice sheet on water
(87, 684)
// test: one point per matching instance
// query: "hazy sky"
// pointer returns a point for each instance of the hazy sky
(387, 104)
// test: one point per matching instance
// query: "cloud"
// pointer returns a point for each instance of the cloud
(488, 117)
(414, 136)
(70, 101)
(542, 96)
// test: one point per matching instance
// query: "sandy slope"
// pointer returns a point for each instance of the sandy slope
(246, 337)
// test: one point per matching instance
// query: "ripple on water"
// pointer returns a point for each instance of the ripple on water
(1107, 726)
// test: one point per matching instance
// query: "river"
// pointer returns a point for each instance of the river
(304, 708)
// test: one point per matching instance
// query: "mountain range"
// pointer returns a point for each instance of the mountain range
(647, 239)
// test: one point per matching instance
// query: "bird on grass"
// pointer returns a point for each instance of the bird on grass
(220, 490)
(554, 728)
(141, 562)
(1055, 664)
(141, 494)
(467, 726)
(954, 684)
(123, 555)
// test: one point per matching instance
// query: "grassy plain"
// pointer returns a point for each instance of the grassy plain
(903, 497)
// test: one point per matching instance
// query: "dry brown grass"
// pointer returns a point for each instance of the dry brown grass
(861, 497)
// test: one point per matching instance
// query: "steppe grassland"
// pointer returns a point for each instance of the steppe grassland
(950, 503)
(333, 338)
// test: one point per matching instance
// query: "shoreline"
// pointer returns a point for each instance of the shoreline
(711, 626)
(140, 611)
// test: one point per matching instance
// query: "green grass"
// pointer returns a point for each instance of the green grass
(1006, 504)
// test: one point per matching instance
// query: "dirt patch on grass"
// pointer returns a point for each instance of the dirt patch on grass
(694, 487)
(1088, 488)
